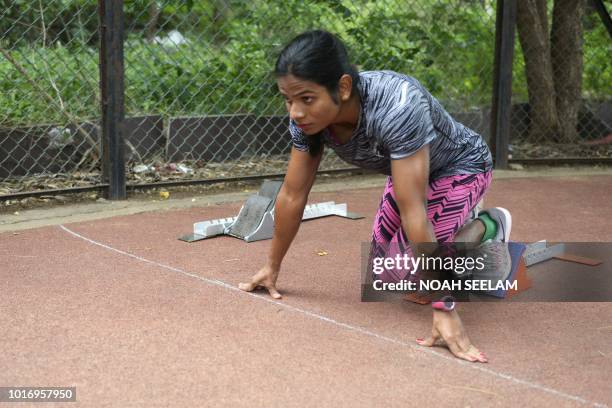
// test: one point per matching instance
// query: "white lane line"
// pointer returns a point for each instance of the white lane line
(474, 366)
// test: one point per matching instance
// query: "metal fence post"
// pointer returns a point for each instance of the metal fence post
(502, 81)
(112, 96)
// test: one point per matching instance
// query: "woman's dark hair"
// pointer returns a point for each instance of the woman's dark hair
(320, 57)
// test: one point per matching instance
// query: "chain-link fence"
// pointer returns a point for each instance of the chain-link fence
(562, 85)
(48, 95)
(201, 102)
(205, 69)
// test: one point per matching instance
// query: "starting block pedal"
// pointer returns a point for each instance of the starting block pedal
(255, 220)
(539, 252)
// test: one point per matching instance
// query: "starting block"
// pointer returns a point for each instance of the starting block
(539, 252)
(255, 220)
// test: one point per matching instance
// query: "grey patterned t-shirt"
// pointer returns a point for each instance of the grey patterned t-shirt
(399, 116)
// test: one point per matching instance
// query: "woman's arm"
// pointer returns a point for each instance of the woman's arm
(288, 212)
(291, 201)
(410, 182)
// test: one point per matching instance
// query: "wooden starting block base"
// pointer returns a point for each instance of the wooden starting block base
(523, 282)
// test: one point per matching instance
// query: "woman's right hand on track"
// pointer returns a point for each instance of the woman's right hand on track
(265, 278)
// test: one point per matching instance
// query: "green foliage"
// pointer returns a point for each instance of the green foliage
(226, 65)
(597, 75)
(74, 74)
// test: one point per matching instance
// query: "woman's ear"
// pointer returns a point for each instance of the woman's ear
(345, 87)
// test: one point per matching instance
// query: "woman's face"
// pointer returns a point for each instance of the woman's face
(309, 104)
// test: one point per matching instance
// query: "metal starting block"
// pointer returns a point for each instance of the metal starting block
(539, 252)
(255, 221)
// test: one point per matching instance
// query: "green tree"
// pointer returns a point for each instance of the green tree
(553, 66)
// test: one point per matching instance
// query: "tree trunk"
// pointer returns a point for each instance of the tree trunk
(532, 27)
(221, 11)
(566, 54)
(151, 28)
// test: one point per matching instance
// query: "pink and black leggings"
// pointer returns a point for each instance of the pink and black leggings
(450, 201)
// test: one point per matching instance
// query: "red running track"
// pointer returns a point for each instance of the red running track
(131, 316)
